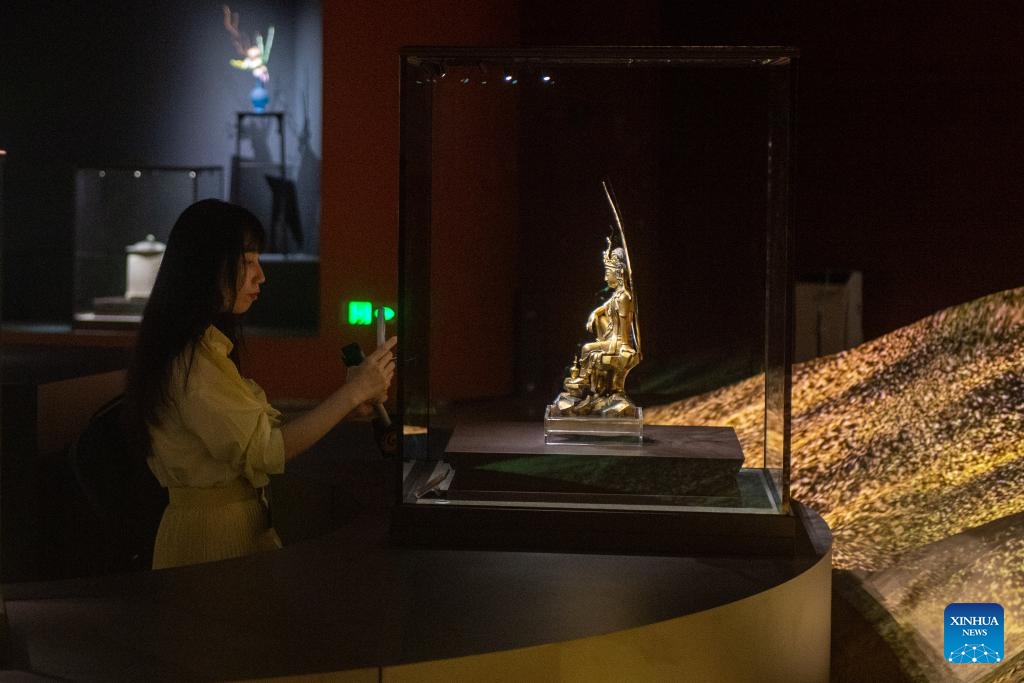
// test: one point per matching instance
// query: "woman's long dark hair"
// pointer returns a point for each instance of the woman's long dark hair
(200, 266)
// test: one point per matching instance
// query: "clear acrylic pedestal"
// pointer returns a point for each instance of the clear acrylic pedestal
(586, 430)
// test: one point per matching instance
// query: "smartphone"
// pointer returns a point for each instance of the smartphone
(352, 354)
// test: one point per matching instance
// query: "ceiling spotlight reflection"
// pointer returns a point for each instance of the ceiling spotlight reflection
(546, 78)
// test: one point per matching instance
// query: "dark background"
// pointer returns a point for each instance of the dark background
(90, 85)
(908, 151)
(908, 145)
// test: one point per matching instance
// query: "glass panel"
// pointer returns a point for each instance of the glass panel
(779, 292)
(504, 221)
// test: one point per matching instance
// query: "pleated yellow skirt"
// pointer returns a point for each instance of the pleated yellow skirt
(205, 525)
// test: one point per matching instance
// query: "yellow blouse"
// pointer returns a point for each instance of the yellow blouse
(217, 426)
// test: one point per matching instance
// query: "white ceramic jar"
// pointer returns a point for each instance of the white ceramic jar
(144, 259)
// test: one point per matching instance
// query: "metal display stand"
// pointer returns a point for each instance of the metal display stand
(242, 115)
(277, 236)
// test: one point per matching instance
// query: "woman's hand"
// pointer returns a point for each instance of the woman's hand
(371, 378)
(367, 382)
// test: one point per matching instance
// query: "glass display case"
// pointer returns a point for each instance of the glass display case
(521, 171)
(116, 210)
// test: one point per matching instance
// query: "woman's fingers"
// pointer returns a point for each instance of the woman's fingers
(383, 359)
(384, 349)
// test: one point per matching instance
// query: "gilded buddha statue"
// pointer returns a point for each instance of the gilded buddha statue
(595, 385)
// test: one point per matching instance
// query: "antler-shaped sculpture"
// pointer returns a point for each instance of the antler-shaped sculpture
(240, 42)
(254, 57)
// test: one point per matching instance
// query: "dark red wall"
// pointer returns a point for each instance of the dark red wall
(359, 233)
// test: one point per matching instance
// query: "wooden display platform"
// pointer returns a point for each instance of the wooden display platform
(683, 490)
(671, 461)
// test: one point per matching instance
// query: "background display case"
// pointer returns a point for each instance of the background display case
(503, 223)
(120, 206)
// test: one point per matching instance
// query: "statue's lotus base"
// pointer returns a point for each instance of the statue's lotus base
(613, 406)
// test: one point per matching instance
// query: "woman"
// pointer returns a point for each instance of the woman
(210, 436)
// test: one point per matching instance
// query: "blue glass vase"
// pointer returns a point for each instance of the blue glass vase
(259, 97)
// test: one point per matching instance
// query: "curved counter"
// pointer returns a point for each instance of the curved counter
(350, 602)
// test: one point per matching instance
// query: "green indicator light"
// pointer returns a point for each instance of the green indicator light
(361, 313)
(365, 313)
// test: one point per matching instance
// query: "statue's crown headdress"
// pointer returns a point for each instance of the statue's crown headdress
(614, 257)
